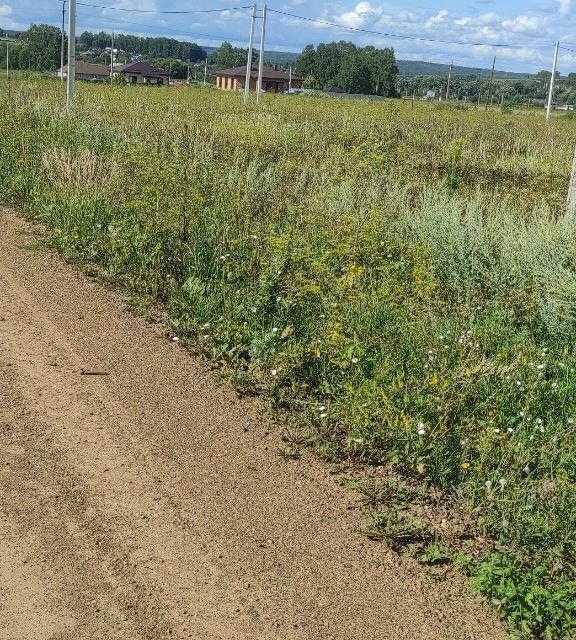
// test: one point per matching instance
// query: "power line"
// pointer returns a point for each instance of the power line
(164, 29)
(97, 6)
(405, 37)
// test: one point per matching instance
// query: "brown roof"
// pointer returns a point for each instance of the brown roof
(90, 69)
(142, 68)
(268, 73)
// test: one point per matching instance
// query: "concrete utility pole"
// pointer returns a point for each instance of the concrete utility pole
(205, 69)
(489, 96)
(71, 77)
(249, 63)
(7, 59)
(112, 60)
(449, 79)
(552, 79)
(571, 201)
(261, 61)
(290, 81)
(63, 42)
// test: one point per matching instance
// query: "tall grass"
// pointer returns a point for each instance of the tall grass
(413, 305)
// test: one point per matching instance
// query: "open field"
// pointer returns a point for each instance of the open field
(400, 282)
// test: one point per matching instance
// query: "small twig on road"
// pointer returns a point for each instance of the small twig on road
(83, 372)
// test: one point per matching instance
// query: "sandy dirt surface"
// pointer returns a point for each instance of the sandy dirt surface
(152, 504)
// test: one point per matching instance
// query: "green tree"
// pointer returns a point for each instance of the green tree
(229, 56)
(354, 74)
(369, 70)
(383, 70)
(41, 45)
(306, 63)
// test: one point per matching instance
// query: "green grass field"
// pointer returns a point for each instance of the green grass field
(400, 281)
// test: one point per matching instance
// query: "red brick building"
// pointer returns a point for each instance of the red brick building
(273, 80)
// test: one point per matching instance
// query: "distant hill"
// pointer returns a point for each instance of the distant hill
(421, 68)
(275, 57)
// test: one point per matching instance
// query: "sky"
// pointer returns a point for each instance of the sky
(530, 27)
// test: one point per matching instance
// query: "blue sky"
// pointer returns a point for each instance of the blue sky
(530, 26)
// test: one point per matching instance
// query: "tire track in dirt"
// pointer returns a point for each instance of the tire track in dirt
(151, 503)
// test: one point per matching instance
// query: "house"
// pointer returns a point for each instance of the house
(273, 80)
(142, 73)
(87, 71)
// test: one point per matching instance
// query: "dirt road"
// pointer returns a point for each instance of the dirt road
(151, 503)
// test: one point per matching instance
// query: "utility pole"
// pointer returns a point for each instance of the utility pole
(71, 77)
(112, 60)
(290, 81)
(63, 43)
(205, 69)
(249, 63)
(261, 60)
(552, 79)
(7, 59)
(449, 79)
(188, 74)
(489, 96)
(571, 201)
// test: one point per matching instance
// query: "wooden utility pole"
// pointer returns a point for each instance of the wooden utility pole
(261, 60)
(489, 96)
(71, 76)
(249, 63)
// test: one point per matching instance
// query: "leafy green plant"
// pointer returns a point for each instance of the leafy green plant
(530, 599)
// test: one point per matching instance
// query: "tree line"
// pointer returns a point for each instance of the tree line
(365, 70)
(38, 48)
(149, 47)
(510, 91)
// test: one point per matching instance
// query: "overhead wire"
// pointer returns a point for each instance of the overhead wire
(403, 36)
(98, 6)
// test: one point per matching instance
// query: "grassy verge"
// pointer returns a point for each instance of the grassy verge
(358, 276)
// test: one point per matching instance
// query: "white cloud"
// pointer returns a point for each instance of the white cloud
(524, 24)
(437, 19)
(5, 10)
(364, 13)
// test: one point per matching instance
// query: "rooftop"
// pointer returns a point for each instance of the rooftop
(143, 68)
(89, 69)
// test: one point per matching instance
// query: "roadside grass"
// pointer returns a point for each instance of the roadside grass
(403, 282)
